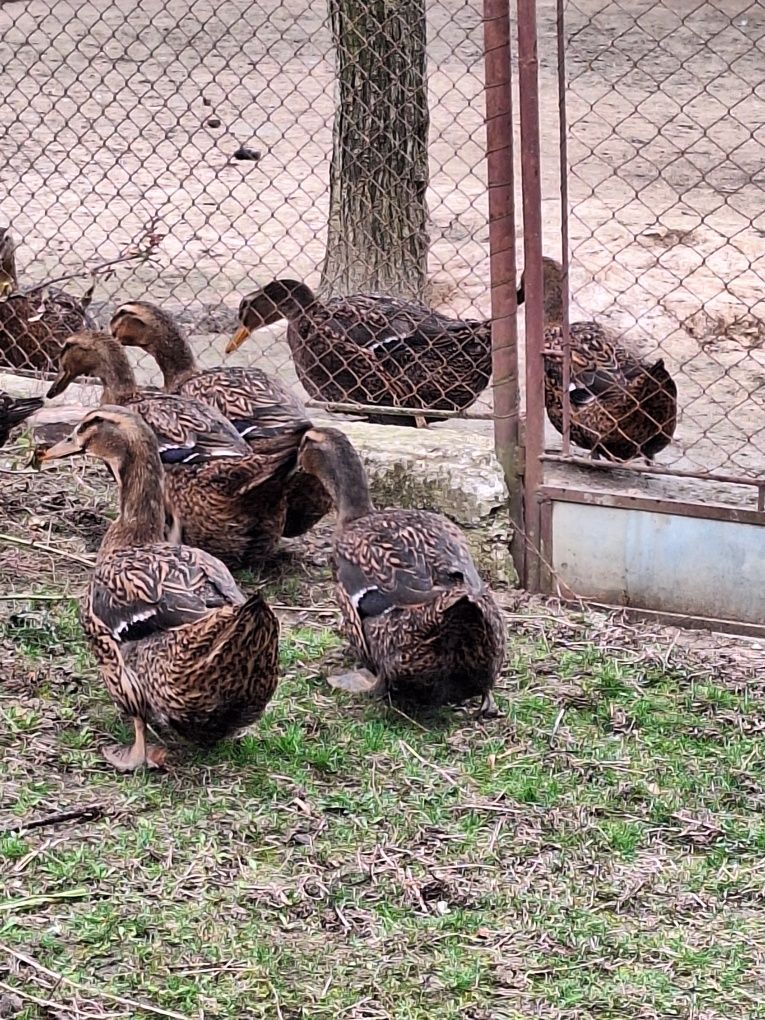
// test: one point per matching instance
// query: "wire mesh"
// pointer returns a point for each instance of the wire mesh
(666, 217)
(217, 126)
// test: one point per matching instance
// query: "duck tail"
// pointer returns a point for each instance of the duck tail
(474, 635)
(462, 606)
(87, 297)
(659, 374)
(256, 618)
(20, 409)
(246, 651)
(271, 460)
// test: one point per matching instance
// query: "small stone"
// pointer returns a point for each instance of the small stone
(213, 122)
(10, 1005)
(244, 153)
(206, 101)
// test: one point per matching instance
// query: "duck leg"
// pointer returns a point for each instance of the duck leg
(358, 681)
(128, 759)
(489, 708)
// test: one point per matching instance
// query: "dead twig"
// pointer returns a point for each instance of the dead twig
(94, 993)
(428, 764)
(52, 1008)
(409, 719)
(142, 250)
(27, 902)
(52, 549)
(277, 1004)
(90, 813)
(326, 611)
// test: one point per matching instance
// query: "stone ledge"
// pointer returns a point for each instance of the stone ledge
(443, 469)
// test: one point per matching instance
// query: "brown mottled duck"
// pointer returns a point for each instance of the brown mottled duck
(372, 349)
(13, 411)
(226, 496)
(414, 608)
(33, 326)
(176, 641)
(257, 405)
(621, 406)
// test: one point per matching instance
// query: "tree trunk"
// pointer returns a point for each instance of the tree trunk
(377, 238)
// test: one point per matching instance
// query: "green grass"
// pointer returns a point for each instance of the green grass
(595, 853)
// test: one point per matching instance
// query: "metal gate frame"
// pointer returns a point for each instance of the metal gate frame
(520, 444)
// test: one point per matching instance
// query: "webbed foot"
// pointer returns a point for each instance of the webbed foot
(358, 681)
(489, 708)
(128, 759)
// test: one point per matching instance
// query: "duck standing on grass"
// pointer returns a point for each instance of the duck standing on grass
(413, 606)
(175, 639)
(621, 406)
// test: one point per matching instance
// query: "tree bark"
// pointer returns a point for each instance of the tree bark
(377, 238)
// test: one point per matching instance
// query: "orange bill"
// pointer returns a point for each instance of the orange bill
(237, 339)
(66, 448)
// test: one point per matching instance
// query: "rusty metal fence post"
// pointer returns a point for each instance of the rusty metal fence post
(532, 269)
(504, 335)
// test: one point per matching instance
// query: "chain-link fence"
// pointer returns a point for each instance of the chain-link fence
(666, 147)
(260, 141)
(269, 142)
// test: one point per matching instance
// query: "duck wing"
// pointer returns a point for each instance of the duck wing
(187, 431)
(396, 326)
(599, 366)
(140, 592)
(401, 559)
(256, 404)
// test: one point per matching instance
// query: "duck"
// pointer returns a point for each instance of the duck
(176, 641)
(13, 411)
(621, 406)
(222, 495)
(34, 323)
(375, 349)
(414, 608)
(257, 405)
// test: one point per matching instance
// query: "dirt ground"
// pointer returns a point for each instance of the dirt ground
(594, 852)
(105, 125)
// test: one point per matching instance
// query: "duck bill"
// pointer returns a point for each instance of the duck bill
(237, 339)
(60, 383)
(66, 448)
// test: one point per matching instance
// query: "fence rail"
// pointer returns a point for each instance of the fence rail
(378, 148)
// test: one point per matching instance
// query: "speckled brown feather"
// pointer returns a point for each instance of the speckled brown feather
(414, 608)
(33, 326)
(259, 406)
(227, 495)
(176, 640)
(621, 407)
(205, 678)
(374, 349)
(633, 411)
(443, 637)
(32, 329)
